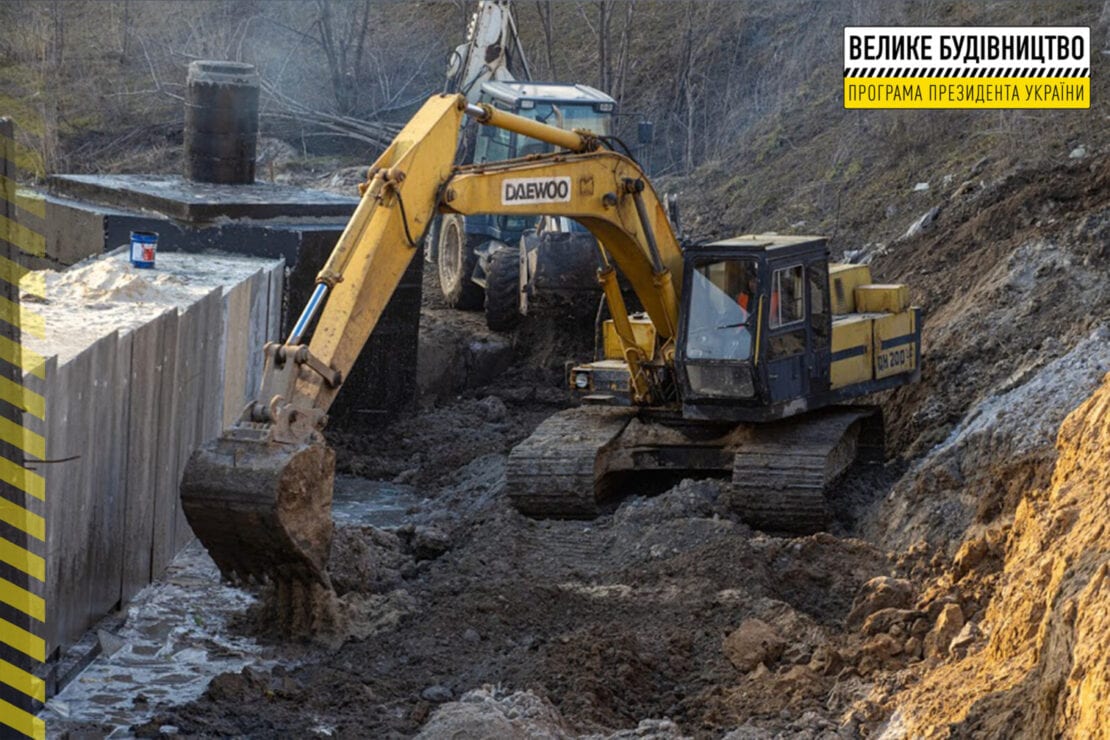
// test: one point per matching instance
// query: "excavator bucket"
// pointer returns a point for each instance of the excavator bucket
(262, 508)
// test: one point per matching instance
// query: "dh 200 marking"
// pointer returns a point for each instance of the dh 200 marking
(528, 190)
(894, 358)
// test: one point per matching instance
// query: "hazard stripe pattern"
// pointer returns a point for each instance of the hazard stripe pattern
(23, 567)
(1059, 72)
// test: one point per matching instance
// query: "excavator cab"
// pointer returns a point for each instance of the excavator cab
(753, 344)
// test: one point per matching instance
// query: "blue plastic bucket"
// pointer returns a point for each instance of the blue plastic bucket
(143, 246)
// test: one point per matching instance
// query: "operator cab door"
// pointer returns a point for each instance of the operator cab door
(717, 335)
(820, 324)
(799, 329)
(788, 332)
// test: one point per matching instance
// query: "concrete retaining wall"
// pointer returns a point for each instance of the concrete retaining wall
(138, 374)
(86, 215)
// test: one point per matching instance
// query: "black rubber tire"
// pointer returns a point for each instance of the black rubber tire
(503, 290)
(455, 261)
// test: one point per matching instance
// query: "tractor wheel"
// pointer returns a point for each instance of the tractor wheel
(455, 260)
(503, 290)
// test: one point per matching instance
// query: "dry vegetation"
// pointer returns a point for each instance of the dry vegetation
(745, 95)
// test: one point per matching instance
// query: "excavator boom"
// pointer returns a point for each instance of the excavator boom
(259, 496)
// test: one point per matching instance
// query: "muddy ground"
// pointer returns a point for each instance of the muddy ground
(612, 621)
(668, 617)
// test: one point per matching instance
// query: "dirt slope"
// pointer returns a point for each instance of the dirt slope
(1045, 670)
(1012, 274)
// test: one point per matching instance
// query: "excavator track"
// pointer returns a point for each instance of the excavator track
(780, 474)
(558, 471)
(780, 471)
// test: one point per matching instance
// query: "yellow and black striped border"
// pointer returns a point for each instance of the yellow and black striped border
(22, 490)
(949, 72)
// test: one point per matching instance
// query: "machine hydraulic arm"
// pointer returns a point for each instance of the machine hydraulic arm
(603, 190)
(485, 55)
(259, 497)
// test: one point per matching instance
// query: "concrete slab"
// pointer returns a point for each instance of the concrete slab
(106, 445)
(69, 501)
(188, 402)
(166, 460)
(146, 417)
(73, 234)
(107, 294)
(245, 330)
(197, 202)
(199, 401)
(386, 366)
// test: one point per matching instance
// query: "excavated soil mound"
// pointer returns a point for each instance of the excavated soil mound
(1044, 671)
(1012, 275)
(1015, 282)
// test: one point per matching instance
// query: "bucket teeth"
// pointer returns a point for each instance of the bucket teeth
(262, 509)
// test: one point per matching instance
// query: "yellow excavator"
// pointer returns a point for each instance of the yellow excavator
(736, 368)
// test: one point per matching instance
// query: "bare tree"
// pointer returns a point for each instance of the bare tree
(51, 58)
(604, 56)
(543, 7)
(343, 37)
(623, 53)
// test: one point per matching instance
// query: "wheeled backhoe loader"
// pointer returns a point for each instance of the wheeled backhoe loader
(514, 265)
(735, 368)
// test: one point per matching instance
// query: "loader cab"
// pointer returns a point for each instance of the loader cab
(754, 341)
(565, 106)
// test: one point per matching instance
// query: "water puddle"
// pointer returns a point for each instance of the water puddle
(380, 503)
(176, 639)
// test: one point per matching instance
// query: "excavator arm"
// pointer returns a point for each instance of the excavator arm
(605, 191)
(398, 202)
(259, 497)
(609, 195)
(485, 55)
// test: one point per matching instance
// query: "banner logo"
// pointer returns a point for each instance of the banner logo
(972, 67)
(529, 190)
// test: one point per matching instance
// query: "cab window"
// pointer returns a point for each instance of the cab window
(494, 144)
(721, 317)
(787, 296)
